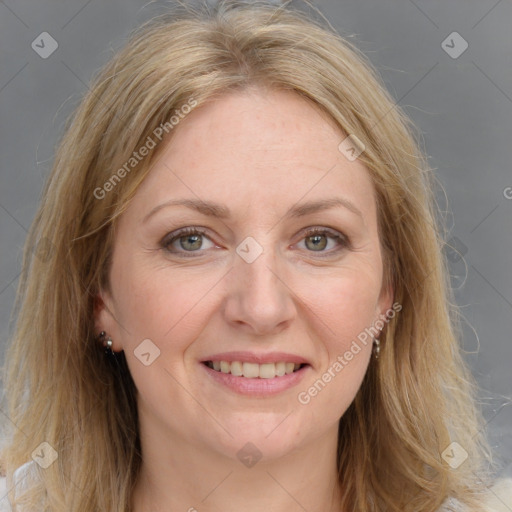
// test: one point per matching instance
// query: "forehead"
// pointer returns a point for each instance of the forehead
(266, 148)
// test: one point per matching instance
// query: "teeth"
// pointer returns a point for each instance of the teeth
(267, 371)
(251, 370)
(280, 369)
(236, 368)
(254, 370)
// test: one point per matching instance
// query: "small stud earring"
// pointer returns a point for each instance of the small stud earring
(376, 348)
(107, 343)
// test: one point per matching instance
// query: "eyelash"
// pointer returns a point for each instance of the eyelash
(341, 239)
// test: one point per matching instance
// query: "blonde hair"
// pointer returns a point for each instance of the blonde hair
(63, 390)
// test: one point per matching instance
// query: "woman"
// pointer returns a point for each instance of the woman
(233, 294)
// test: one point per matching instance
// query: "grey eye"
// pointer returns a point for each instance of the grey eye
(187, 240)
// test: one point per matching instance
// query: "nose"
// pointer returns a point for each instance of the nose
(259, 300)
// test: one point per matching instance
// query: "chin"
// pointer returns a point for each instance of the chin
(266, 436)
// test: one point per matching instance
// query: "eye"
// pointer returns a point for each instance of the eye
(324, 240)
(193, 240)
(187, 240)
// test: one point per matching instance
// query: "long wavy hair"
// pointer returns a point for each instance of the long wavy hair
(60, 387)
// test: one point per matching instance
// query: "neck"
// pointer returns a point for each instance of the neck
(179, 474)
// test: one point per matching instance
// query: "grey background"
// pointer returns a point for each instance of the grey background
(463, 106)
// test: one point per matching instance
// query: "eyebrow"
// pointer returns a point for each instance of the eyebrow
(219, 211)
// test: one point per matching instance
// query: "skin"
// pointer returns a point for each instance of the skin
(258, 153)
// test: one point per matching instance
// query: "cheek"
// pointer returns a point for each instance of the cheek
(169, 309)
(346, 304)
(343, 309)
(166, 307)
(343, 314)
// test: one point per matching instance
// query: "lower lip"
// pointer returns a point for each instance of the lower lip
(257, 387)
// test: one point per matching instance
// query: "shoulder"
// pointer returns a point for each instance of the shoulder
(498, 499)
(499, 496)
(4, 501)
(19, 482)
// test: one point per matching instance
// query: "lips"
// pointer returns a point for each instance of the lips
(254, 366)
(261, 380)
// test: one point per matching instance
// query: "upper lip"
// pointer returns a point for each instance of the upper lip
(253, 357)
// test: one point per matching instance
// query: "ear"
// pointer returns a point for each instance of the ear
(385, 308)
(385, 301)
(105, 319)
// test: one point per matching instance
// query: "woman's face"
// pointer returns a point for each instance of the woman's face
(285, 267)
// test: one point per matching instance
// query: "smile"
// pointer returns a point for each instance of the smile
(254, 370)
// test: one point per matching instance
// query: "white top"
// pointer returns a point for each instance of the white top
(499, 496)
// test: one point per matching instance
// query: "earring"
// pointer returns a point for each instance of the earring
(376, 348)
(107, 343)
